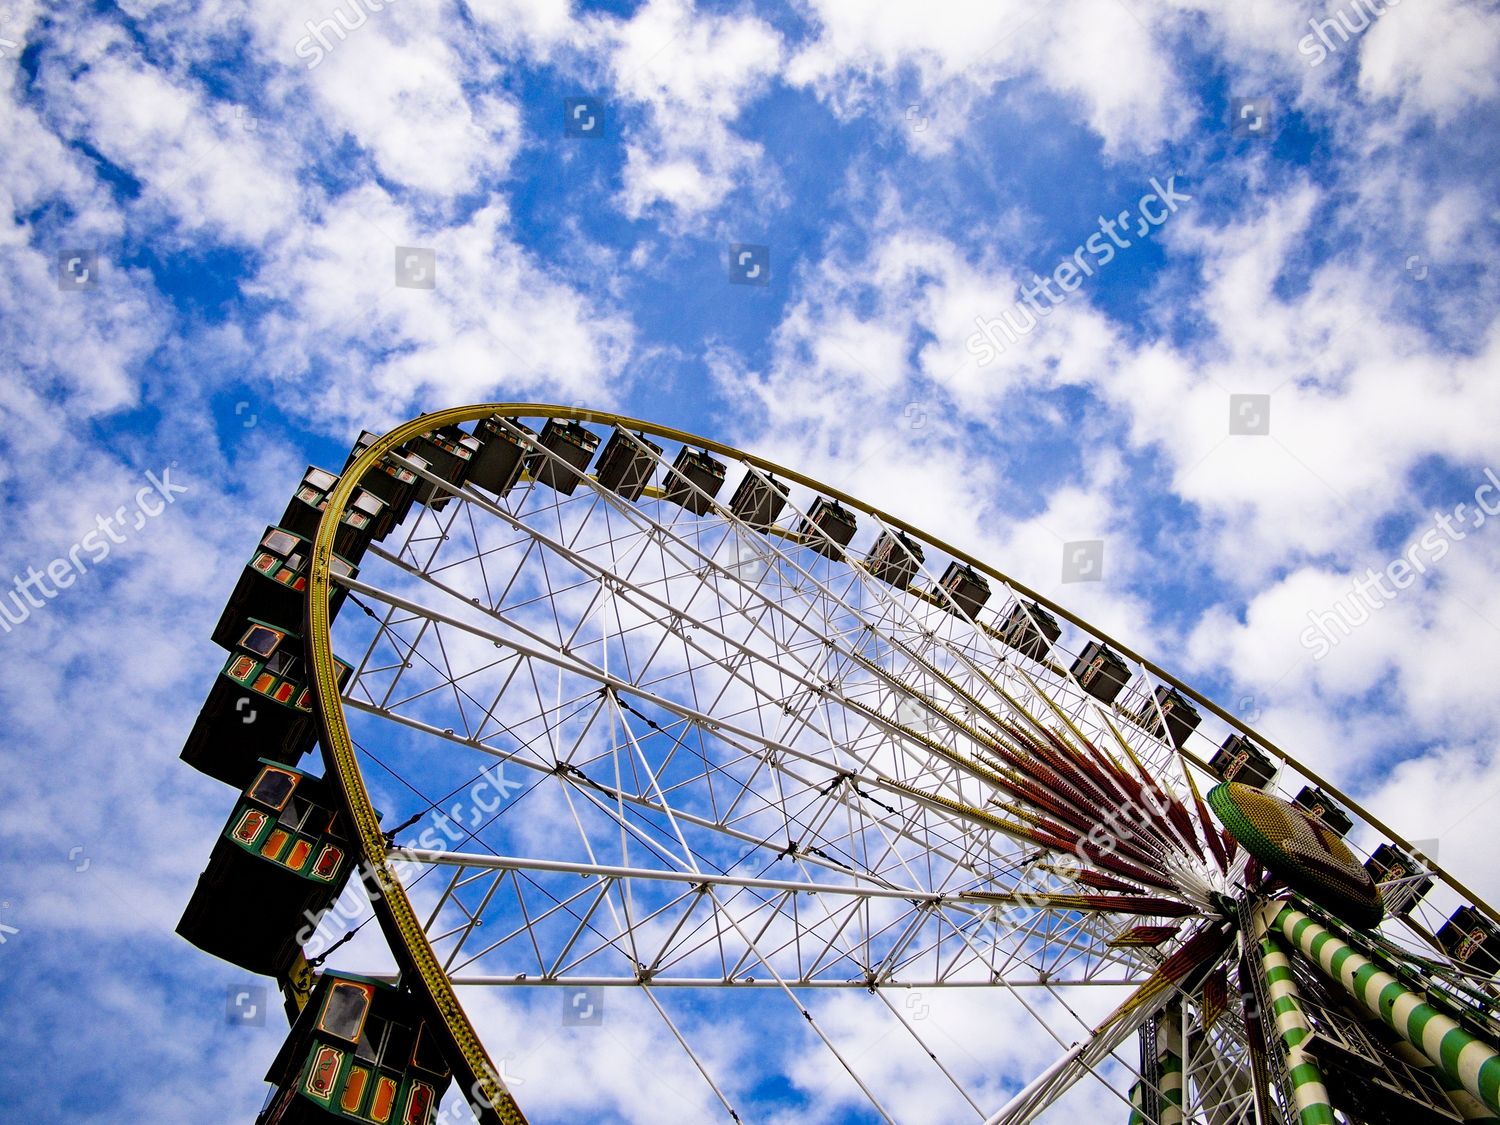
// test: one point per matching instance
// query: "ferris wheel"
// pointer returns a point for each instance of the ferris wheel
(645, 714)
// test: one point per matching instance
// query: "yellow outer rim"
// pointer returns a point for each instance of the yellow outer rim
(403, 930)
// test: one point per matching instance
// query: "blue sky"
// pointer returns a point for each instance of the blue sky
(908, 166)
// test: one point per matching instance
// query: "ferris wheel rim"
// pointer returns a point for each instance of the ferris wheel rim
(580, 414)
(404, 932)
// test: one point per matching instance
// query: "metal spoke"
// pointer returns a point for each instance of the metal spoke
(759, 759)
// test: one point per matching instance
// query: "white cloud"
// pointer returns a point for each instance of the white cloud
(937, 435)
(73, 346)
(531, 28)
(408, 132)
(1450, 795)
(983, 1039)
(637, 1071)
(1345, 376)
(1107, 59)
(192, 155)
(693, 73)
(403, 86)
(1435, 58)
(497, 325)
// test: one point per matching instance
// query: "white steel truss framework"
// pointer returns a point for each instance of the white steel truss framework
(636, 747)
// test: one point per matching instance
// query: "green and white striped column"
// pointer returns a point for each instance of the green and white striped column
(1470, 1061)
(1168, 1069)
(1465, 1104)
(1309, 1091)
(1169, 1059)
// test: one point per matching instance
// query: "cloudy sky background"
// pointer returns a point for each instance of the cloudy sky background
(908, 166)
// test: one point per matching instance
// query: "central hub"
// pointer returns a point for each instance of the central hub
(1301, 851)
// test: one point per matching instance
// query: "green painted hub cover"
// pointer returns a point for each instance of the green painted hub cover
(1301, 851)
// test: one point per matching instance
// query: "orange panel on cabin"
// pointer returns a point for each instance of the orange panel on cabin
(298, 855)
(354, 1089)
(384, 1100)
(275, 842)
